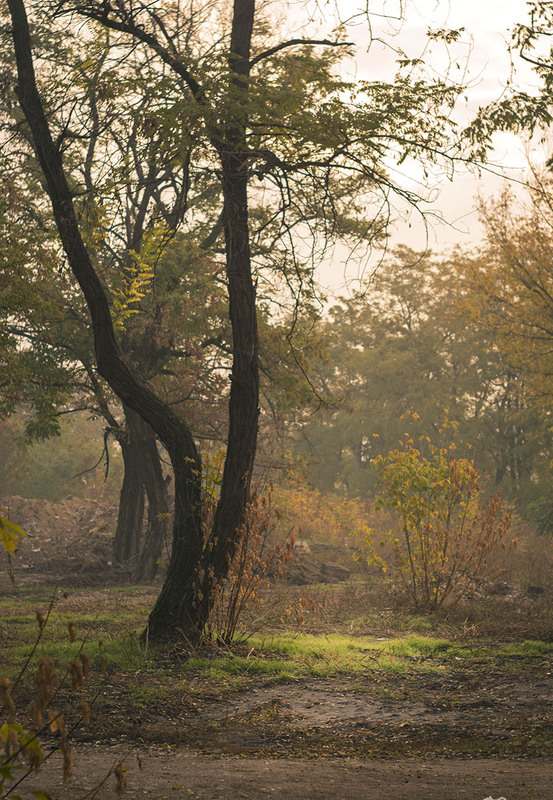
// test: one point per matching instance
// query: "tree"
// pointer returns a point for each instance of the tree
(514, 276)
(315, 143)
(512, 286)
(48, 358)
(50, 364)
(412, 343)
(518, 110)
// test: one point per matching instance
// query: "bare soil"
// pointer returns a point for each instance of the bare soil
(70, 541)
(474, 732)
(182, 773)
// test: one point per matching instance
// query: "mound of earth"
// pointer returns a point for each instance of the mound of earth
(70, 541)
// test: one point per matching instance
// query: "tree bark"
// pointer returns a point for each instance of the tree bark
(128, 534)
(158, 514)
(130, 517)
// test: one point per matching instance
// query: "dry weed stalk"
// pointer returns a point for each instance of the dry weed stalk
(23, 743)
(259, 560)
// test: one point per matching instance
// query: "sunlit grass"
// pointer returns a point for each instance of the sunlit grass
(528, 648)
(329, 655)
(117, 617)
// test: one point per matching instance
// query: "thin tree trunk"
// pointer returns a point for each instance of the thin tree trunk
(158, 514)
(128, 534)
(178, 607)
(187, 595)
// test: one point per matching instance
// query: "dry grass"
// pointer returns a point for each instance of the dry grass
(527, 560)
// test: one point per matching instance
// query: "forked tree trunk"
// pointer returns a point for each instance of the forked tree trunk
(186, 598)
(157, 532)
(143, 477)
(130, 516)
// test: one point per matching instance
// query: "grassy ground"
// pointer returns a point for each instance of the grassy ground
(475, 680)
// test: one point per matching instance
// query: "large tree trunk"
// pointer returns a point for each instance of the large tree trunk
(244, 392)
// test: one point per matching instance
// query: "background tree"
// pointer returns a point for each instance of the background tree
(126, 248)
(412, 343)
(512, 283)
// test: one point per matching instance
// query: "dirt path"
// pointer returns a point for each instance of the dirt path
(180, 773)
(236, 737)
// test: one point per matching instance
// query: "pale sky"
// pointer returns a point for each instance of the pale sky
(482, 53)
(488, 24)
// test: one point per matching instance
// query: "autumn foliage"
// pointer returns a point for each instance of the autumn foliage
(446, 528)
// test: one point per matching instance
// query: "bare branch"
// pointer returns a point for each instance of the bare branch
(293, 43)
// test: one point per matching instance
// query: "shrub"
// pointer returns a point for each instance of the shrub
(541, 514)
(10, 534)
(259, 559)
(22, 743)
(324, 518)
(22, 730)
(446, 529)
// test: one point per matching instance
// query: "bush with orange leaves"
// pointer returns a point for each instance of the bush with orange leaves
(446, 527)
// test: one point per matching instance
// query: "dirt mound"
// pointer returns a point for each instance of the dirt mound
(319, 563)
(69, 541)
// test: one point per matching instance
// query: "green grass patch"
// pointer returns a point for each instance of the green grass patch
(418, 647)
(321, 656)
(530, 648)
(214, 667)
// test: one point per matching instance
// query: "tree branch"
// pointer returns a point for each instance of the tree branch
(126, 25)
(294, 42)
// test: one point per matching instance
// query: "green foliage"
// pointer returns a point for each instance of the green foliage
(146, 156)
(518, 110)
(11, 534)
(172, 129)
(541, 514)
(62, 466)
(34, 367)
(511, 283)
(445, 530)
